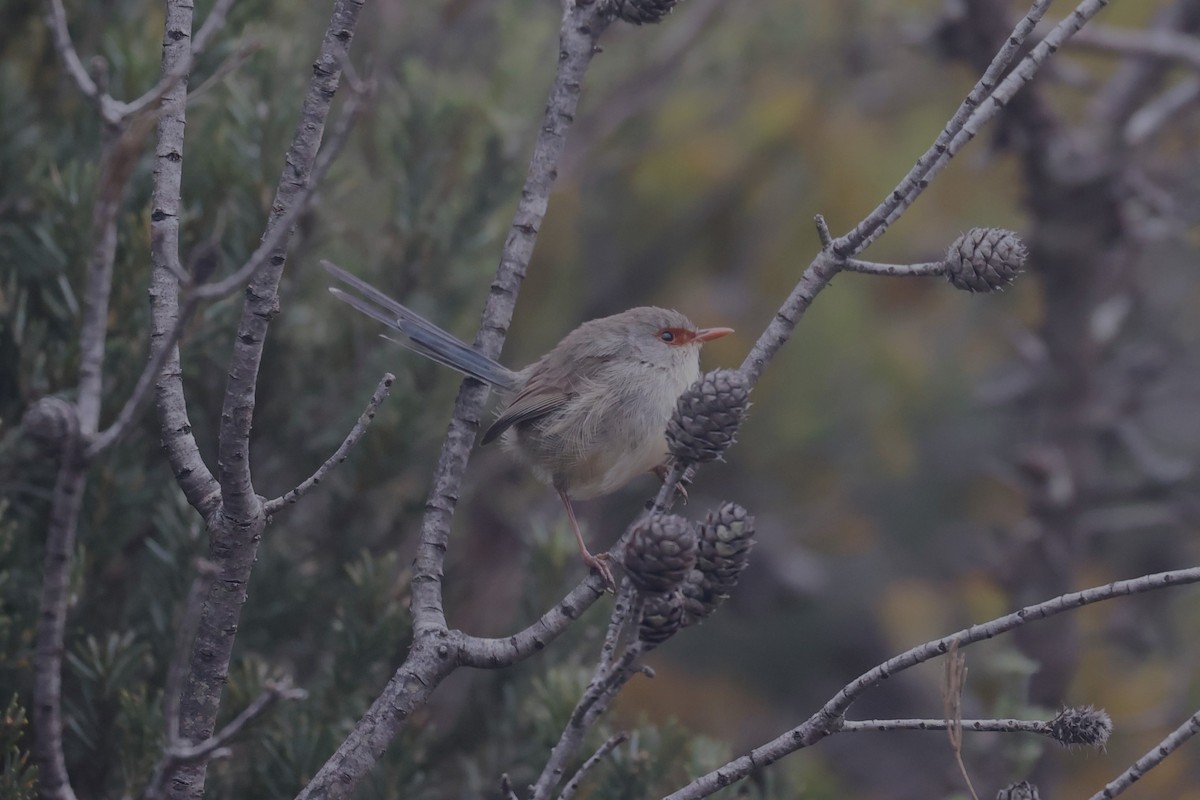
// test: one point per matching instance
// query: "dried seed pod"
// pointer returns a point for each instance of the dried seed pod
(707, 416)
(660, 553)
(984, 259)
(1087, 725)
(1024, 790)
(723, 551)
(662, 616)
(640, 12)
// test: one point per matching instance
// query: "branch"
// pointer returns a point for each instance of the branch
(582, 25)
(1157, 112)
(429, 660)
(56, 21)
(1151, 760)
(927, 166)
(603, 688)
(905, 270)
(1155, 43)
(572, 787)
(235, 532)
(339, 455)
(829, 719)
(179, 754)
(185, 633)
(166, 319)
(264, 269)
(53, 781)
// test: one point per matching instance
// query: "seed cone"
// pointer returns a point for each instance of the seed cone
(662, 616)
(984, 259)
(707, 416)
(1086, 725)
(640, 12)
(723, 552)
(1023, 790)
(660, 553)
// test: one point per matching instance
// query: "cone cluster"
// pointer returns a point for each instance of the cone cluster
(641, 12)
(660, 554)
(723, 551)
(707, 416)
(984, 259)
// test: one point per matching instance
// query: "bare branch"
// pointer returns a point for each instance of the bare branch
(179, 754)
(206, 572)
(53, 781)
(1156, 113)
(166, 318)
(56, 21)
(829, 719)
(339, 455)
(235, 533)
(1037, 726)
(904, 270)
(1151, 760)
(1154, 42)
(582, 26)
(572, 788)
(604, 686)
(875, 223)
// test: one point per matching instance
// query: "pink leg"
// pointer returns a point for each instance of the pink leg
(598, 563)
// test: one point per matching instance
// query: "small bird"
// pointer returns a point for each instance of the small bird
(587, 417)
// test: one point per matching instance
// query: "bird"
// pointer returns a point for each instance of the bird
(587, 417)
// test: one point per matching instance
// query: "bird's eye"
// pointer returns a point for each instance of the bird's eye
(666, 336)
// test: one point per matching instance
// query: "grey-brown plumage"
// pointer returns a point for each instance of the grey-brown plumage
(587, 417)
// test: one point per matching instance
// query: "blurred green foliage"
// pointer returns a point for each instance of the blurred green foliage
(867, 458)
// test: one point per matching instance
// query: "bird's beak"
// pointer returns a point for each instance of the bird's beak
(708, 334)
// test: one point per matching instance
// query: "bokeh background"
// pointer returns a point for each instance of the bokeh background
(905, 455)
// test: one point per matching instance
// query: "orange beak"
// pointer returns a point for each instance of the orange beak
(708, 334)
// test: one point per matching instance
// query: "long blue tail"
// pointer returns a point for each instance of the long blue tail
(419, 334)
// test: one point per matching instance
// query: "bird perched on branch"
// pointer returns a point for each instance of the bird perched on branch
(587, 417)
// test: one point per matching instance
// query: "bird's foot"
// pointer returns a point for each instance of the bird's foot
(601, 565)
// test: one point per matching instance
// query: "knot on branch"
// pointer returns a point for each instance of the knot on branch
(660, 554)
(1086, 726)
(723, 551)
(707, 416)
(641, 12)
(51, 423)
(984, 259)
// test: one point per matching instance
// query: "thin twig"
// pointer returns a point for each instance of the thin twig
(1040, 727)
(829, 719)
(604, 686)
(1151, 760)
(1157, 112)
(339, 455)
(56, 21)
(179, 754)
(1156, 43)
(875, 223)
(905, 270)
(572, 788)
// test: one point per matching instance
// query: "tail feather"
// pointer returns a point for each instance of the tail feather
(419, 334)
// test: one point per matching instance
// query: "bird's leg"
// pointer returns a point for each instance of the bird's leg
(663, 471)
(598, 563)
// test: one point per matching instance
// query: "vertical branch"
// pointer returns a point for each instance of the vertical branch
(583, 23)
(235, 513)
(179, 444)
(262, 295)
(53, 781)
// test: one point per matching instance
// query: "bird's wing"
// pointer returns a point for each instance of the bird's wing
(536, 400)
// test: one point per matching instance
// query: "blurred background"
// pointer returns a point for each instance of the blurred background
(918, 458)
